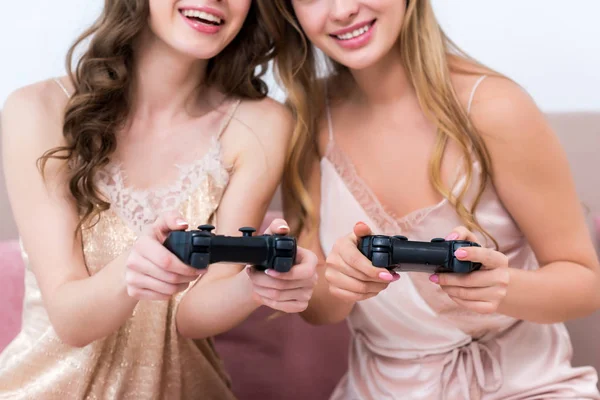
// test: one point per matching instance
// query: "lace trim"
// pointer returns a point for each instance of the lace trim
(385, 219)
(139, 208)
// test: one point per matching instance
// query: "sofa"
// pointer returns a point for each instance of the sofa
(285, 358)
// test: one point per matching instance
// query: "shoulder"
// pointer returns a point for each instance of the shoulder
(33, 114)
(259, 130)
(504, 113)
(265, 117)
(266, 121)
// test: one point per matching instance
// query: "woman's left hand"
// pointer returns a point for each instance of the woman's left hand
(290, 291)
(481, 291)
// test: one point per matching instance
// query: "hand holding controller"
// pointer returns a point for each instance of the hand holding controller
(200, 248)
(400, 254)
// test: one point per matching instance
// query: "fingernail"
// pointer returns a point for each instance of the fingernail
(361, 223)
(386, 276)
(452, 236)
(396, 276)
(271, 272)
(181, 222)
(460, 253)
(284, 227)
(434, 279)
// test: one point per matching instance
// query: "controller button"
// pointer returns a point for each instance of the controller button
(201, 240)
(206, 228)
(381, 241)
(400, 237)
(284, 245)
(380, 259)
(438, 240)
(283, 264)
(247, 231)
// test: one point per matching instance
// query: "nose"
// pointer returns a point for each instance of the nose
(344, 10)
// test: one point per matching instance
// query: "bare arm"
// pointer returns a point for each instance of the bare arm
(533, 179)
(81, 308)
(345, 275)
(323, 308)
(227, 295)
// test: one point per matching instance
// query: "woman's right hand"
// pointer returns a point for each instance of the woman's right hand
(351, 275)
(152, 272)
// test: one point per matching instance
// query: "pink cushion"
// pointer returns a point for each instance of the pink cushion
(11, 291)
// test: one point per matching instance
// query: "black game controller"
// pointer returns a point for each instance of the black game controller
(201, 248)
(400, 254)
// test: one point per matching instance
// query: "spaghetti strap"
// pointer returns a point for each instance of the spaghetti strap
(329, 121)
(227, 120)
(64, 89)
(475, 86)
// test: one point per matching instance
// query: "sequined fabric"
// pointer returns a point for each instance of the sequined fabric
(145, 358)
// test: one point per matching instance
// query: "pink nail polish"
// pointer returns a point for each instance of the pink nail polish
(396, 277)
(460, 253)
(272, 273)
(452, 236)
(434, 279)
(386, 276)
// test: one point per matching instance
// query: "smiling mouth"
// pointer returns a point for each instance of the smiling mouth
(202, 17)
(354, 33)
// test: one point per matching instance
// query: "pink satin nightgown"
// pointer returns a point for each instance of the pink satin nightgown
(412, 341)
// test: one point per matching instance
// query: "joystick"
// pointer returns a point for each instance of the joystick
(400, 254)
(200, 248)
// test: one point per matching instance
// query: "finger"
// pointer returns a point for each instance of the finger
(260, 278)
(461, 233)
(481, 307)
(339, 280)
(302, 294)
(277, 226)
(146, 282)
(384, 274)
(361, 230)
(489, 258)
(471, 280)
(476, 294)
(166, 223)
(158, 255)
(304, 269)
(137, 263)
(351, 256)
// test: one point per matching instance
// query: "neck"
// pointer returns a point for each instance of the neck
(164, 80)
(384, 83)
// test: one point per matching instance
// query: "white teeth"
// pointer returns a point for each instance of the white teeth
(202, 15)
(354, 33)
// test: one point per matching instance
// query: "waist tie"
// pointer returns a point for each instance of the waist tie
(466, 361)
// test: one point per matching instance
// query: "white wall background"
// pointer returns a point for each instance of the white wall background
(551, 47)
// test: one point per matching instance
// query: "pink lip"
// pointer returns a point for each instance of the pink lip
(199, 26)
(352, 28)
(357, 42)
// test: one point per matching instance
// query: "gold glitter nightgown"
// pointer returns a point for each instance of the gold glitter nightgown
(145, 358)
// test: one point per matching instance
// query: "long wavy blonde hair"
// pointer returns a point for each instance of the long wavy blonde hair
(428, 56)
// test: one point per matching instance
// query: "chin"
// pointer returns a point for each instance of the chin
(200, 51)
(358, 61)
